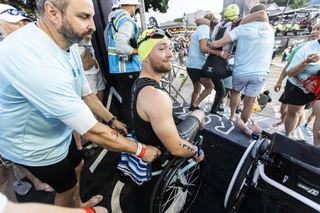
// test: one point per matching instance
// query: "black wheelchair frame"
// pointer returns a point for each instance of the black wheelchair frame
(284, 170)
(178, 184)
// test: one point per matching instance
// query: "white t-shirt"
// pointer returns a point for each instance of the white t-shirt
(312, 47)
(3, 202)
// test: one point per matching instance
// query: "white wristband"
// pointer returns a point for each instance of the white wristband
(139, 149)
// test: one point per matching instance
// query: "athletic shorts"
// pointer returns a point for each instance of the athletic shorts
(61, 176)
(195, 74)
(295, 96)
(282, 100)
(249, 85)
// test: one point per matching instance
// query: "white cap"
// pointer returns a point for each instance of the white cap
(129, 2)
(8, 17)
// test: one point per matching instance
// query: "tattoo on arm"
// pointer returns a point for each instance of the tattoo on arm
(186, 146)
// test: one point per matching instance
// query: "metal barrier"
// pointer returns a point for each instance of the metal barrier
(166, 84)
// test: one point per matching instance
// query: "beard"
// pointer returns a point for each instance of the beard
(70, 35)
(161, 67)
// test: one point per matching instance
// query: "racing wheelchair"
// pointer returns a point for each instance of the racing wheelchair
(174, 182)
(286, 171)
(178, 184)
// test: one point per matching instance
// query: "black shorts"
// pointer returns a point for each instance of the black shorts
(195, 74)
(282, 100)
(295, 96)
(61, 176)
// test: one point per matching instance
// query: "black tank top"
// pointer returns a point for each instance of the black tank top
(142, 129)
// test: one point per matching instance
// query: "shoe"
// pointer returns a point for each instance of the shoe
(192, 108)
(221, 108)
(87, 152)
(215, 113)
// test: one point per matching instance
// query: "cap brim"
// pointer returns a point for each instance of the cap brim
(13, 19)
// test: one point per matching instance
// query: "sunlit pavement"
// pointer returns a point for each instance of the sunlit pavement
(269, 115)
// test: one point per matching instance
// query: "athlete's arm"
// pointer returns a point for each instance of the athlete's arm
(155, 106)
(256, 16)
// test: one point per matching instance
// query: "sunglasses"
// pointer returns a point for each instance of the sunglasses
(156, 34)
(15, 12)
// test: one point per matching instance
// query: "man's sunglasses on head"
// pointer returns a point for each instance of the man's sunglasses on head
(14, 12)
(156, 34)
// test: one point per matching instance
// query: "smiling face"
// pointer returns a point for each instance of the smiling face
(77, 21)
(160, 58)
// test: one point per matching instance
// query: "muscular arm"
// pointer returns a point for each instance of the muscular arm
(221, 42)
(156, 107)
(200, 21)
(256, 16)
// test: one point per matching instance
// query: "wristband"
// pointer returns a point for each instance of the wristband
(199, 153)
(90, 210)
(196, 153)
(141, 150)
(110, 122)
(221, 54)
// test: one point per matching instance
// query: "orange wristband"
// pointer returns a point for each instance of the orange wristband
(90, 210)
(143, 151)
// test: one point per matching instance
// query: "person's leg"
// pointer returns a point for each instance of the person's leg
(234, 103)
(6, 179)
(283, 112)
(195, 93)
(292, 118)
(38, 184)
(208, 87)
(247, 108)
(316, 125)
(310, 117)
(220, 94)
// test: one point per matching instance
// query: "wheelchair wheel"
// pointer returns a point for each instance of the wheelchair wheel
(240, 182)
(177, 187)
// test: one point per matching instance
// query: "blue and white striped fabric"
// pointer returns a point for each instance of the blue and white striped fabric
(135, 168)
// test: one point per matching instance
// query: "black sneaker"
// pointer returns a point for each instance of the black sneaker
(87, 152)
(192, 108)
(215, 113)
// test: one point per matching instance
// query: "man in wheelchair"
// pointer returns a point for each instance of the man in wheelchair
(153, 124)
(151, 108)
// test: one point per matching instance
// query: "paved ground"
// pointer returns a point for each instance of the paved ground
(266, 118)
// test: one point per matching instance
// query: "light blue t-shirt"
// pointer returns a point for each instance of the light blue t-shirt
(196, 58)
(40, 88)
(311, 47)
(255, 42)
